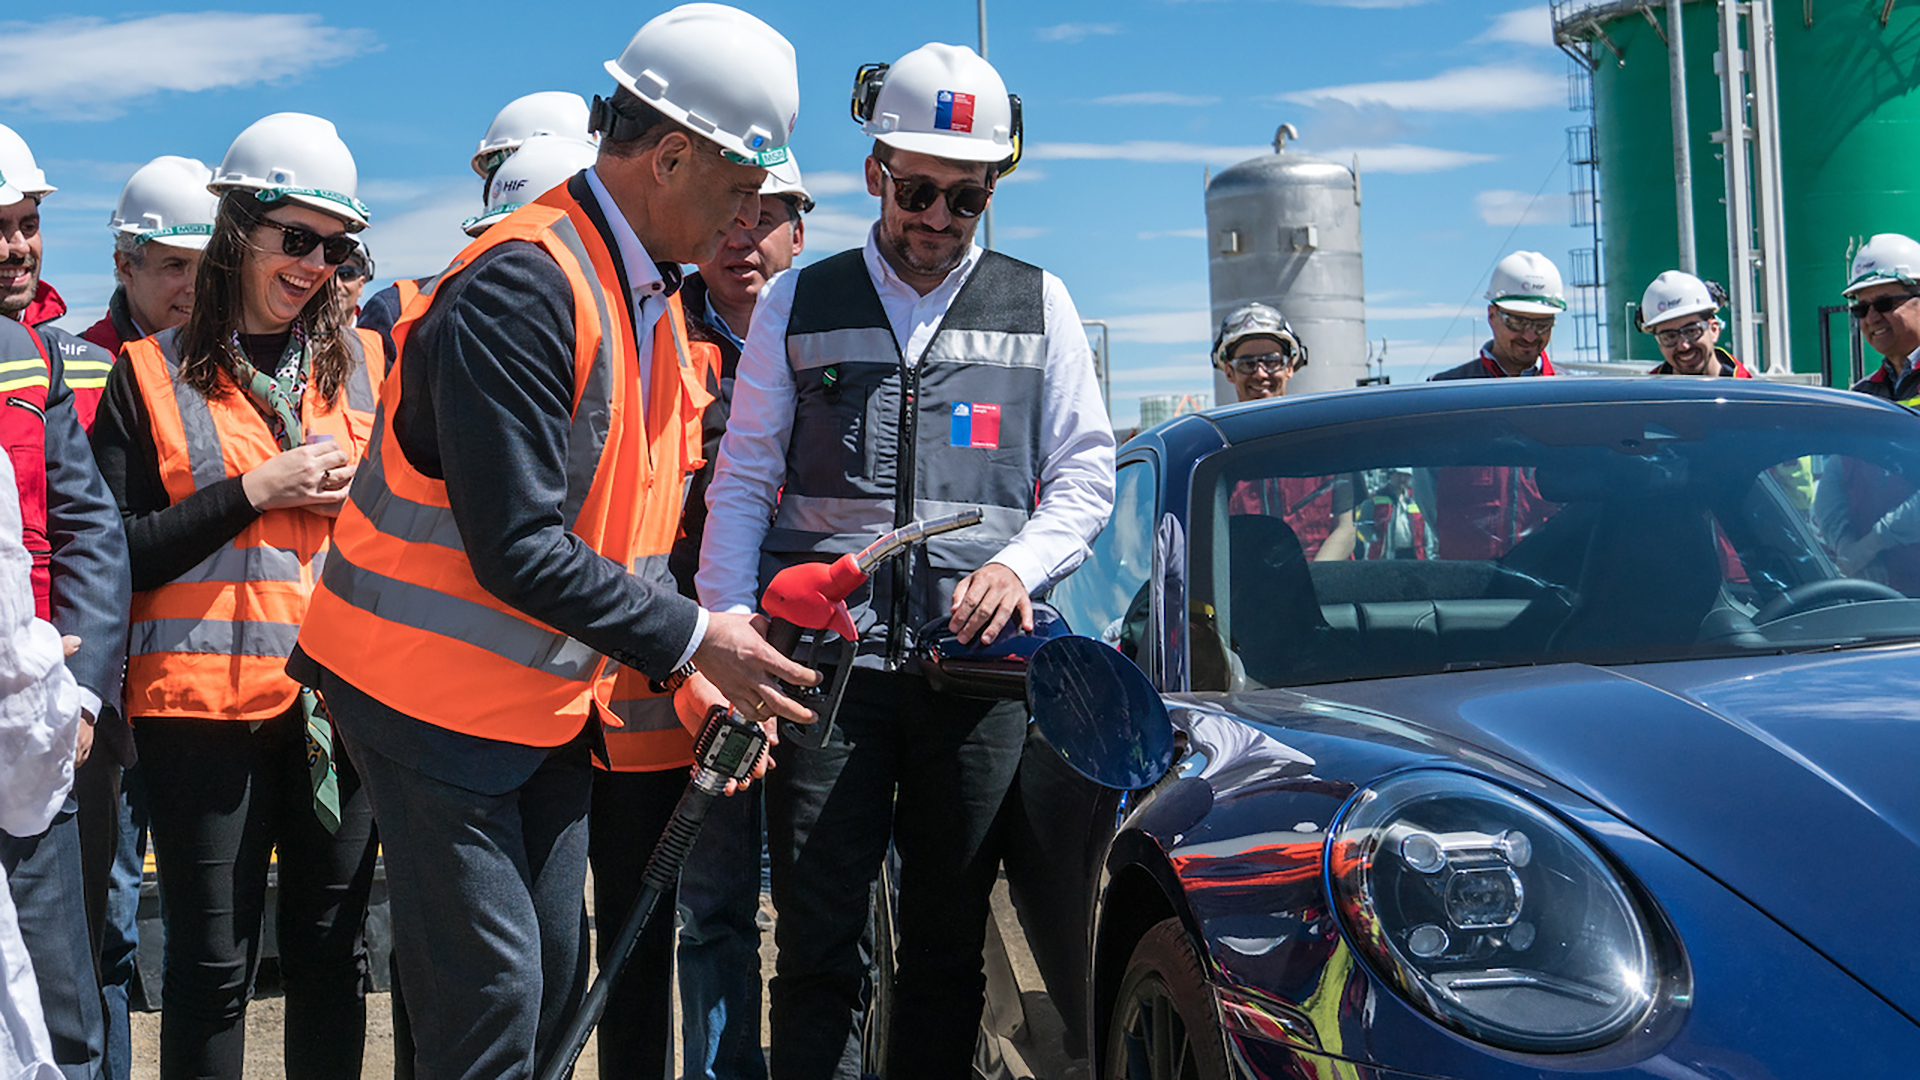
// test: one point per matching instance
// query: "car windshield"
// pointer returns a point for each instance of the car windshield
(1593, 533)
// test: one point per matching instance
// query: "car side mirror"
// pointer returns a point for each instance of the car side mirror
(997, 671)
(1100, 713)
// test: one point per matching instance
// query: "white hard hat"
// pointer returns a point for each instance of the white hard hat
(542, 163)
(784, 179)
(1673, 295)
(942, 100)
(718, 72)
(1527, 283)
(297, 157)
(167, 201)
(20, 176)
(549, 112)
(1255, 320)
(1884, 257)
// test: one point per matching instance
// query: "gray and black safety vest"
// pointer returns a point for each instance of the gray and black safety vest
(879, 442)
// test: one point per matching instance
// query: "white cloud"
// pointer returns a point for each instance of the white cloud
(1520, 208)
(1070, 33)
(1526, 26)
(1402, 158)
(830, 230)
(83, 68)
(1162, 327)
(1399, 313)
(1172, 234)
(1482, 89)
(1368, 3)
(1025, 174)
(826, 183)
(1379, 159)
(1146, 150)
(417, 234)
(1157, 97)
(1195, 373)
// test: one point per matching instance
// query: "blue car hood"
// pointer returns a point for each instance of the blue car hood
(1794, 781)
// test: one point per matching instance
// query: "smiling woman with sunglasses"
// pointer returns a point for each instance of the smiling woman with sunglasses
(229, 443)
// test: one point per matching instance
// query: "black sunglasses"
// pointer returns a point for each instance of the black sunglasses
(914, 194)
(296, 241)
(1879, 304)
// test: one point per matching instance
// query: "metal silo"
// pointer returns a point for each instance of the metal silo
(1848, 127)
(1285, 230)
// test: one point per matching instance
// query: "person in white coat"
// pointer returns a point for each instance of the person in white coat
(39, 721)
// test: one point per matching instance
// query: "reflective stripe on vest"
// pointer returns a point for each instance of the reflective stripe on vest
(399, 613)
(25, 379)
(213, 643)
(961, 425)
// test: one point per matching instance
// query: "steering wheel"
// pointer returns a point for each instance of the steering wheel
(1824, 593)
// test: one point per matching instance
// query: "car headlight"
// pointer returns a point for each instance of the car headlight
(1489, 914)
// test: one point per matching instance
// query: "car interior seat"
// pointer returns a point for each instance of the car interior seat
(1277, 628)
(1650, 577)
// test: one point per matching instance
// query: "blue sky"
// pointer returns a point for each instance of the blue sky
(1457, 110)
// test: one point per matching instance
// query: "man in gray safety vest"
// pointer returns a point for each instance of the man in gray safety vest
(915, 376)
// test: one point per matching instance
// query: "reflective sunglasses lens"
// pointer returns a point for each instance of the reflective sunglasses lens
(296, 241)
(969, 201)
(338, 249)
(913, 196)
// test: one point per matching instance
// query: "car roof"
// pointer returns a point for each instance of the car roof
(1255, 419)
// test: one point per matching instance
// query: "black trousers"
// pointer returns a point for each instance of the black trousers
(43, 874)
(928, 771)
(487, 892)
(630, 811)
(223, 798)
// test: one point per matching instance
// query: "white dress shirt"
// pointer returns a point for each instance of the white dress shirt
(649, 303)
(1076, 438)
(39, 723)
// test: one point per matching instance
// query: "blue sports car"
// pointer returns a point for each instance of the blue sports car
(1497, 729)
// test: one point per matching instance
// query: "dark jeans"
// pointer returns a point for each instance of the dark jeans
(486, 893)
(120, 940)
(223, 798)
(930, 771)
(97, 788)
(630, 811)
(719, 951)
(43, 874)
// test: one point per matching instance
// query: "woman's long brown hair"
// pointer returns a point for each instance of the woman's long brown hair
(206, 362)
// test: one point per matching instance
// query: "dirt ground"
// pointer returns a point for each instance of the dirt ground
(266, 1014)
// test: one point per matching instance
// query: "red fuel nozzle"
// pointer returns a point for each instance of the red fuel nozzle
(814, 595)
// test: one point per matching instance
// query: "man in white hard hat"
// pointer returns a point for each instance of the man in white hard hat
(81, 584)
(718, 957)
(160, 227)
(1870, 517)
(1481, 512)
(547, 113)
(507, 534)
(1258, 352)
(909, 377)
(1523, 300)
(1884, 280)
(1682, 314)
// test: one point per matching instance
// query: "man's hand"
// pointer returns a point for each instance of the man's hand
(985, 600)
(747, 671)
(83, 739)
(1855, 555)
(697, 697)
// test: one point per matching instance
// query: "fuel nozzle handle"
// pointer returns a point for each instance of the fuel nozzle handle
(813, 596)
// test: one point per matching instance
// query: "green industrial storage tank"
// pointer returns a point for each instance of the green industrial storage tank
(1849, 129)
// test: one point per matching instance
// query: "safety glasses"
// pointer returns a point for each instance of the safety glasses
(1521, 324)
(1681, 335)
(914, 194)
(1879, 304)
(296, 241)
(1278, 363)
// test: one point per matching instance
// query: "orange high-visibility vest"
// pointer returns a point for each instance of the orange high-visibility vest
(650, 735)
(399, 613)
(213, 643)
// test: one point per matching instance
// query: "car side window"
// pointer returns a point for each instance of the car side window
(1107, 596)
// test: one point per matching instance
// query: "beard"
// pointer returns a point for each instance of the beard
(916, 260)
(15, 299)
